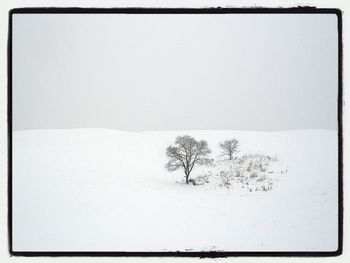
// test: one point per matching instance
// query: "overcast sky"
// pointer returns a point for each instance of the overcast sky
(175, 72)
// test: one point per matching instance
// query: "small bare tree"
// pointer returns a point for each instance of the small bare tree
(186, 153)
(229, 147)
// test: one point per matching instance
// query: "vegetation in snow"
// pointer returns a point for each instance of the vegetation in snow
(250, 172)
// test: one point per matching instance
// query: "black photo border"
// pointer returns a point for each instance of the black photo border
(155, 11)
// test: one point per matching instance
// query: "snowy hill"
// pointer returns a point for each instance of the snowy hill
(106, 190)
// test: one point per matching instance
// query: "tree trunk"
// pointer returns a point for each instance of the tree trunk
(187, 175)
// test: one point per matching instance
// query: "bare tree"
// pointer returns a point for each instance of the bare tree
(229, 147)
(186, 153)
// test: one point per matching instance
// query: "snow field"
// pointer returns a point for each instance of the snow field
(105, 190)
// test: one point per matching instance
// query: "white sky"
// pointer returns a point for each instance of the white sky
(175, 72)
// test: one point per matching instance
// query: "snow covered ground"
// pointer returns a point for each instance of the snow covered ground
(106, 190)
